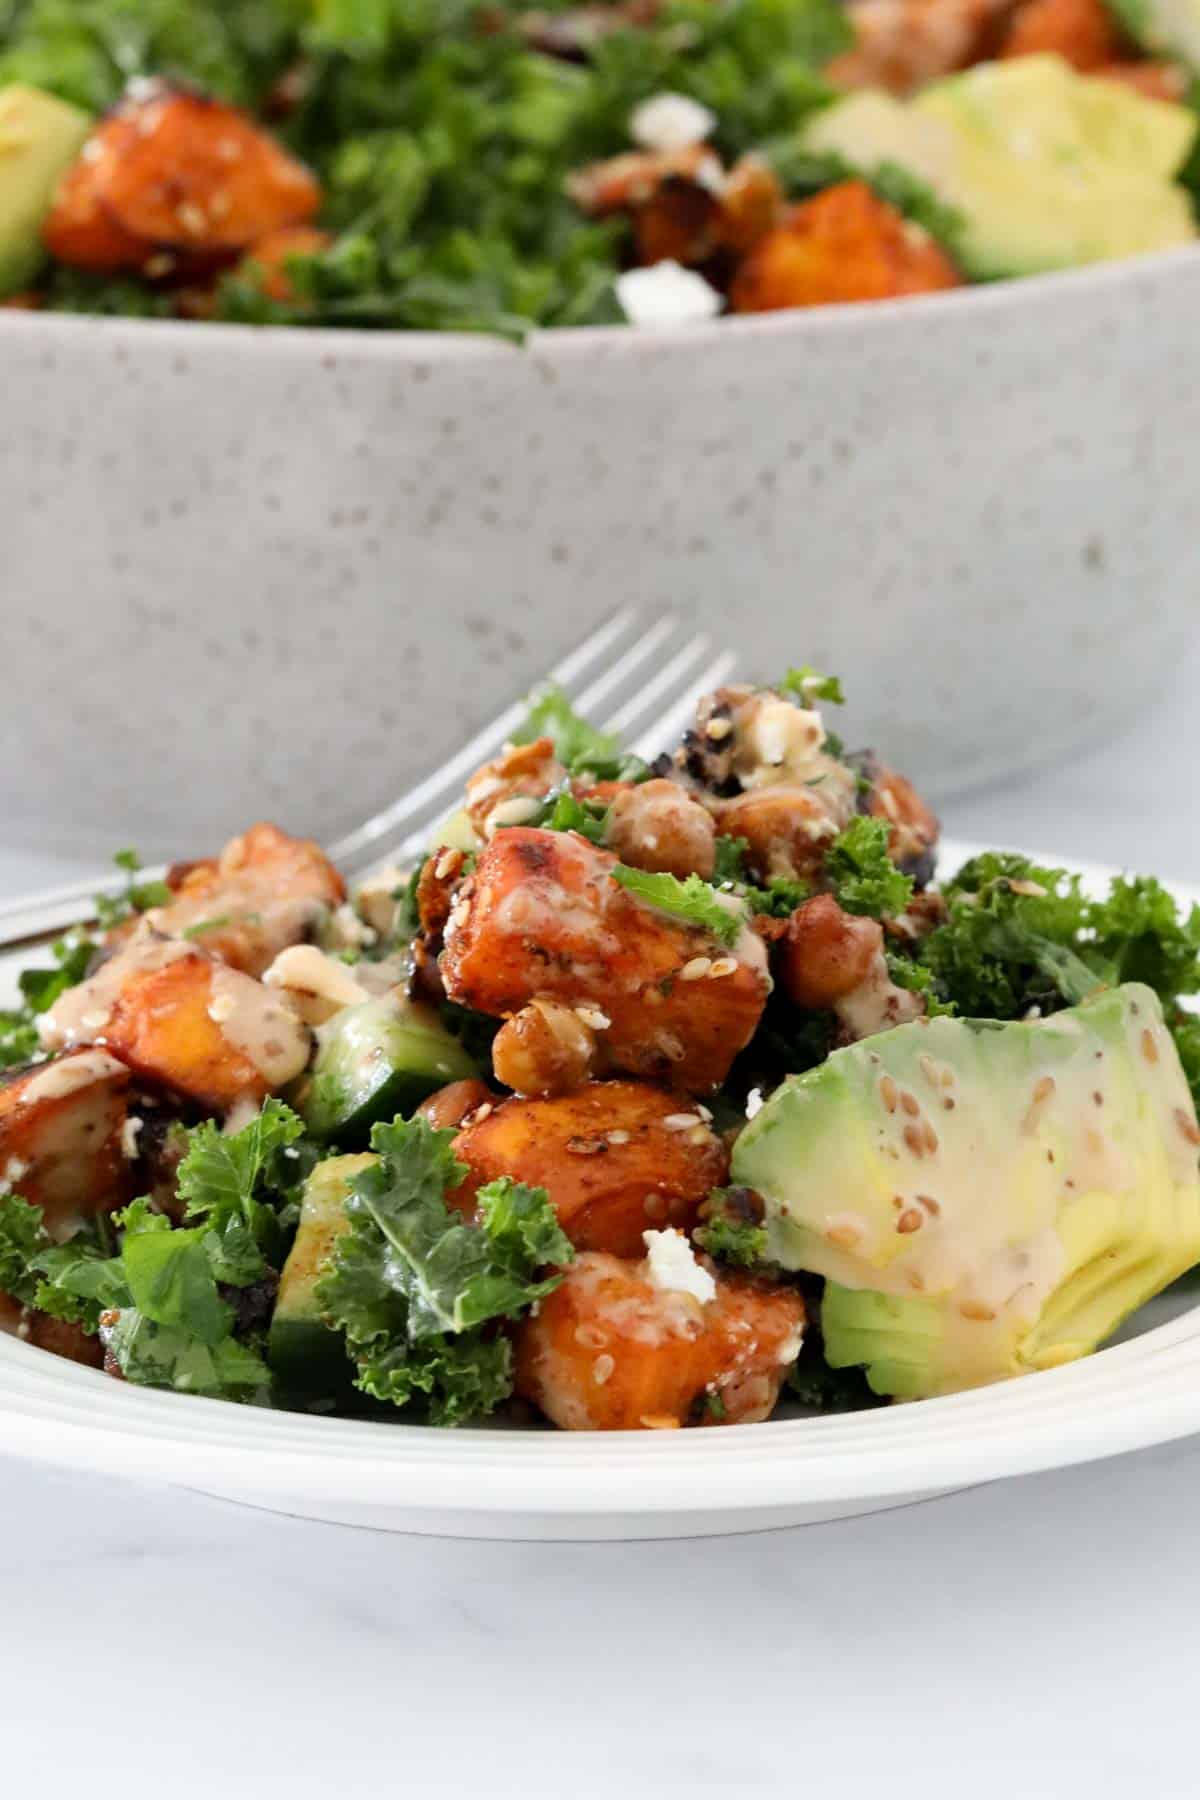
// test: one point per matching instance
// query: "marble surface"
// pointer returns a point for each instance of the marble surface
(1035, 1639)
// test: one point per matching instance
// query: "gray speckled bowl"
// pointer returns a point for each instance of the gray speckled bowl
(257, 572)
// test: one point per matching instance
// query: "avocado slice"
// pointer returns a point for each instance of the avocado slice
(1048, 169)
(306, 1356)
(983, 1199)
(374, 1061)
(40, 137)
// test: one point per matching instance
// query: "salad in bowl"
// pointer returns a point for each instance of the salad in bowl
(463, 165)
(652, 1094)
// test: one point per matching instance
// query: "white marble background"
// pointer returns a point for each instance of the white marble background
(1034, 1640)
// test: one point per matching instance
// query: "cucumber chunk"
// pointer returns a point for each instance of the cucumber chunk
(305, 1356)
(374, 1061)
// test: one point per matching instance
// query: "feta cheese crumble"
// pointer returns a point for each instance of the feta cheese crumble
(672, 1265)
(670, 122)
(666, 294)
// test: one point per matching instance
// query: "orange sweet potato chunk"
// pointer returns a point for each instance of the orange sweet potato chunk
(264, 892)
(609, 1351)
(60, 1136)
(1083, 32)
(161, 1026)
(606, 1155)
(541, 917)
(173, 174)
(844, 244)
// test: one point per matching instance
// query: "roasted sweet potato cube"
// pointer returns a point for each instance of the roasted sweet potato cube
(1155, 80)
(542, 918)
(1083, 32)
(61, 1143)
(199, 177)
(617, 1158)
(177, 1016)
(79, 230)
(844, 244)
(265, 892)
(47, 1333)
(610, 1351)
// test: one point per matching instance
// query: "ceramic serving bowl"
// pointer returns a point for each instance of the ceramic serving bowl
(266, 572)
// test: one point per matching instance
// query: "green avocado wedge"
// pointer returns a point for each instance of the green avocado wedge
(305, 1356)
(40, 137)
(1046, 168)
(983, 1199)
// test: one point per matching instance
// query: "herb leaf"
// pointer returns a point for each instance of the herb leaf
(693, 900)
(863, 875)
(809, 685)
(416, 1289)
(576, 743)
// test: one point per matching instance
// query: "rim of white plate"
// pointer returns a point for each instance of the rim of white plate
(1140, 1392)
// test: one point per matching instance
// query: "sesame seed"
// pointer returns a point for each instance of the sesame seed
(1187, 1126)
(716, 729)
(602, 1368)
(192, 218)
(659, 1422)
(696, 969)
(593, 1017)
(888, 802)
(591, 1337)
(618, 1137)
(724, 965)
(681, 1121)
(1032, 889)
(446, 864)
(481, 1112)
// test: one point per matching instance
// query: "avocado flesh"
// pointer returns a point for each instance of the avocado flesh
(305, 1355)
(1048, 169)
(374, 1061)
(976, 1210)
(40, 137)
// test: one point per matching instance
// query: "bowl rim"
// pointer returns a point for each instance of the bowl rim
(844, 318)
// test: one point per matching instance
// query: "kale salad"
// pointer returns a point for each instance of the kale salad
(490, 165)
(652, 1094)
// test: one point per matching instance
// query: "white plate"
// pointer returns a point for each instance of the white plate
(541, 1484)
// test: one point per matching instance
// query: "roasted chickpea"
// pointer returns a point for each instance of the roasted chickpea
(544, 1049)
(658, 826)
(827, 953)
(447, 1109)
(787, 829)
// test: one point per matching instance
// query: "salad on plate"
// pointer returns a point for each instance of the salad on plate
(652, 1095)
(493, 166)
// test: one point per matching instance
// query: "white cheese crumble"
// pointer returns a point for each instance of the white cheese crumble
(672, 1266)
(670, 122)
(666, 294)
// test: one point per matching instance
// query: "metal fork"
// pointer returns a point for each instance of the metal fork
(637, 678)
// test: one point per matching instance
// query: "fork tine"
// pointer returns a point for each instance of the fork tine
(427, 799)
(672, 723)
(659, 704)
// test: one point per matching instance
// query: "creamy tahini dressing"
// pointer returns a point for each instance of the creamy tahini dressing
(79, 1070)
(80, 1015)
(265, 1029)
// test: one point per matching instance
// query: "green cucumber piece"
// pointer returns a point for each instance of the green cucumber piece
(374, 1061)
(305, 1355)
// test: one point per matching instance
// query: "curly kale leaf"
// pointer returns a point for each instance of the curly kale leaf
(417, 1291)
(863, 876)
(694, 901)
